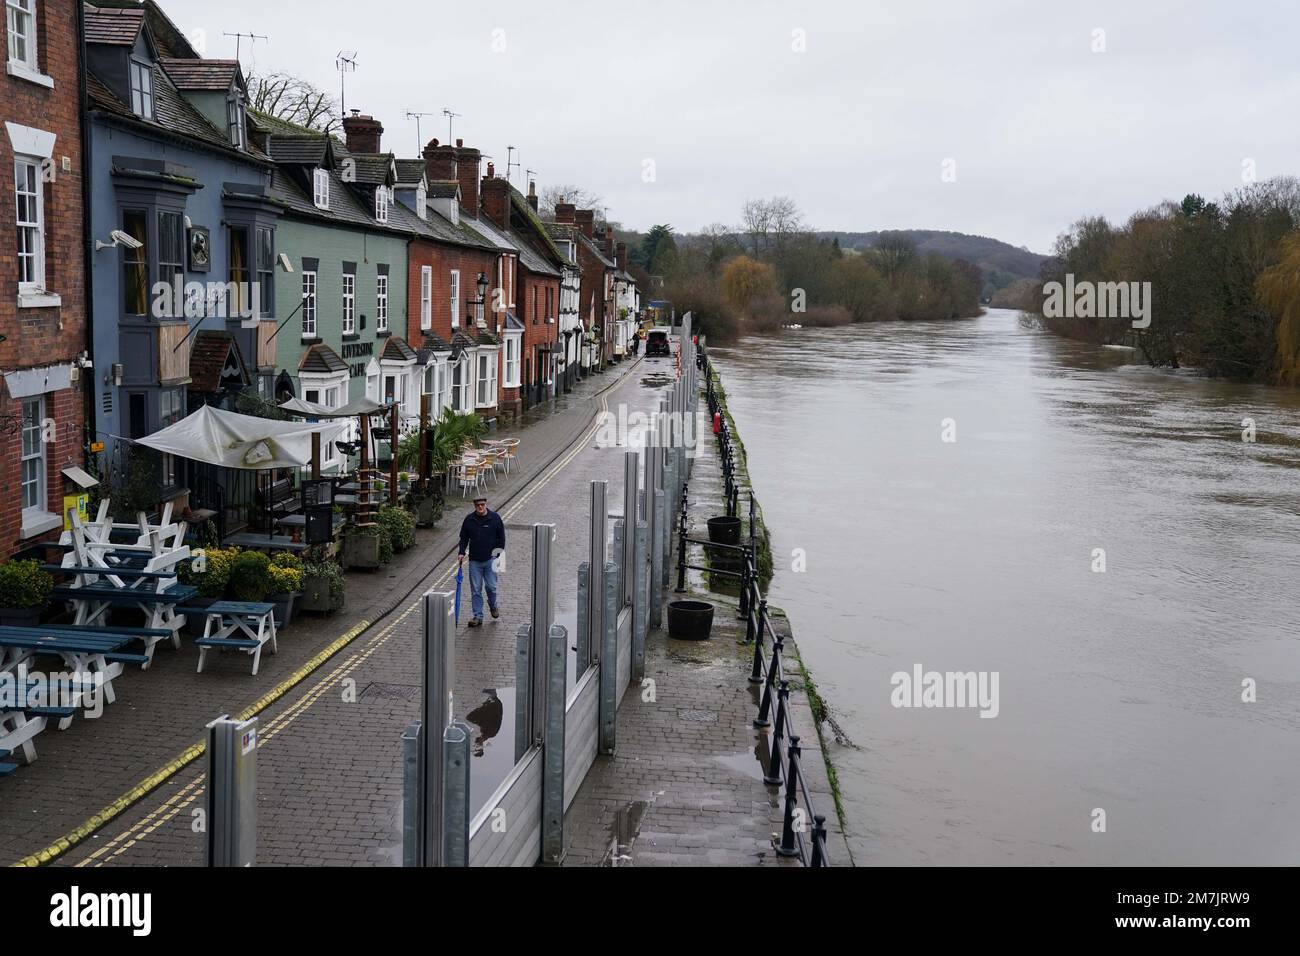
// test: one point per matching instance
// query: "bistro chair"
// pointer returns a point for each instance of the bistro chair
(470, 475)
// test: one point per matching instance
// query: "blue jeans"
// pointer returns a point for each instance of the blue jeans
(482, 574)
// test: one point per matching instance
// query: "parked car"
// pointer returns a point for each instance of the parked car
(656, 343)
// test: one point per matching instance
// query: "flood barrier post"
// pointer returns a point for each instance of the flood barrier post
(232, 792)
(617, 554)
(609, 663)
(438, 670)
(523, 689)
(455, 794)
(412, 773)
(584, 623)
(657, 560)
(640, 602)
(543, 617)
(630, 475)
(557, 673)
(596, 567)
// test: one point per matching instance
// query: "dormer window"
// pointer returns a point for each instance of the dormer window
(320, 192)
(141, 89)
(381, 204)
(422, 201)
(236, 122)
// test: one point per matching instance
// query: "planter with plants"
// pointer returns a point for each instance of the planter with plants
(250, 577)
(210, 573)
(399, 525)
(24, 592)
(403, 481)
(323, 586)
(286, 586)
(361, 546)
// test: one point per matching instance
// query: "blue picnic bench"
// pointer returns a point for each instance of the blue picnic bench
(255, 620)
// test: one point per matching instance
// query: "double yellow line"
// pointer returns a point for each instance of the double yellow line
(190, 792)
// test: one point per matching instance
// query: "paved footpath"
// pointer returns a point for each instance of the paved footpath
(331, 704)
(685, 784)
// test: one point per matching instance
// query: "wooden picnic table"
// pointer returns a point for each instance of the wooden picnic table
(255, 620)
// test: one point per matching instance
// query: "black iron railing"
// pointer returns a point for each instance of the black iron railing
(785, 761)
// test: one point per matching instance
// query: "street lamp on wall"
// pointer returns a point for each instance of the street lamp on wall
(481, 285)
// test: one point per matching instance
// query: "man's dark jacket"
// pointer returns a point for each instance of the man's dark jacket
(483, 535)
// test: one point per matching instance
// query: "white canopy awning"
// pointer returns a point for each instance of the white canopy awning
(240, 441)
(358, 406)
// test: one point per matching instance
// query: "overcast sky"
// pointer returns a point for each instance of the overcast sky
(855, 127)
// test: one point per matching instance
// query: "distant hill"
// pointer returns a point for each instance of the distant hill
(1001, 262)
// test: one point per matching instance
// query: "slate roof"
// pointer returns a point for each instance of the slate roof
(172, 114)
(208, 358)
(491, 234)
(444, 190)
(372, 169)
(513, 322)
(432, 343)
(567, 231)
(217, 75)
(321, 358)
(410, 170)
(116, 26)
(396, 350)
(302, 149)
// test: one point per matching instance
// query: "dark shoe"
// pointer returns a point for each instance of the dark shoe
(476, 622)
(495, 613)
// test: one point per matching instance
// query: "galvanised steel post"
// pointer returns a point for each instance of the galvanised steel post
(621, 574)
(659, 525)
(231, 792)
(455, 794)
(557, 672)
(523, 690)
(640, 603)
(596, 565)
(630, 489)
(543, 617)
(412, 809)
(609, 664)
(584, 623)
(439, 677)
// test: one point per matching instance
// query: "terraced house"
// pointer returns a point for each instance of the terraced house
(596, 284)
(186, 278)
(42, 269)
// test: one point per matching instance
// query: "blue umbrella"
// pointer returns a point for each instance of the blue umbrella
(460, 574)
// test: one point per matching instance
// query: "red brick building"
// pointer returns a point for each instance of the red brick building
(42, 268)
(596, 295)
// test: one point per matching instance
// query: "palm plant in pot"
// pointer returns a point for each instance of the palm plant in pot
(24, 592)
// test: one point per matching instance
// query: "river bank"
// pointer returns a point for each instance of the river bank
(937, 494)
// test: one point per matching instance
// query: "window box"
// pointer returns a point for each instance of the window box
(39, 300)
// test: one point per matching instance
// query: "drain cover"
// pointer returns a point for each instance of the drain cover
(698, 716)
(398, 691)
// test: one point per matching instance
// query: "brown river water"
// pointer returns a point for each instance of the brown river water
(1119, 691)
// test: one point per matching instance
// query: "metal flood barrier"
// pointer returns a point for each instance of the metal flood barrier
(560, 730)
(231, 838)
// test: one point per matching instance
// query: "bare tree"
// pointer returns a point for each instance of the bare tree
(567, 192)
(294, 100)
(756, 223)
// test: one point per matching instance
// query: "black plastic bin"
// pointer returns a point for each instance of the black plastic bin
(690, 620)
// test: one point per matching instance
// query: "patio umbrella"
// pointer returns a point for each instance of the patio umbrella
(460, 574)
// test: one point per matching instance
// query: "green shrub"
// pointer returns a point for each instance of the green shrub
(250, 577)
(286, 559)
(23, 584)
(284, 580)
(400, 525)
(333, 574)
(212, 581)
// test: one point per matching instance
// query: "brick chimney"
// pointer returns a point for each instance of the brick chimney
(532, 195)
(585, 219)
(362, 132)
(496, 199)
(621, 252)
(439, 162)
(609, 242)
(564, 212)
(467, 162)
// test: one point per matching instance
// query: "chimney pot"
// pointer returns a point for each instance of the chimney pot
(459, 142)
(491, 170)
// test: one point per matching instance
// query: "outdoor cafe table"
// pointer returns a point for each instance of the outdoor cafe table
(228, 619)
(86, 651)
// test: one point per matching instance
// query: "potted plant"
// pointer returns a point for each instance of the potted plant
(361, 546)
(323, 587)
(209, 571)
(399, 525)
(403, 481)
(286, 586)
(24, 592)
(250, 577)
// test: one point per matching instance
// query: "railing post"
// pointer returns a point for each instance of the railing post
(609, 664)
(819, 840)
(773, 776)
(557, 673)
(773, 668)
(756, 672)
(762, 613)
(788, 847)
(681, 557)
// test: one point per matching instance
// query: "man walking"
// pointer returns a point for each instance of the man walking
(484, 533)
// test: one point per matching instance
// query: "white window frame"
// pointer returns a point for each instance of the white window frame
(426, 297)
(309, 305)
(320, 188)
(235, 122)
(485, 386)
(35, 228)
(17, 12)
(455, 298)
(381, 204)
(513, 351)
(349, 303)
(34, 433)
(462, 394)
(381, 303)
(444, 383)
(143, 95)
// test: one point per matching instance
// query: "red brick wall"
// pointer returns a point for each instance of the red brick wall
(37, 337)
(443, 259)
(543, 332)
